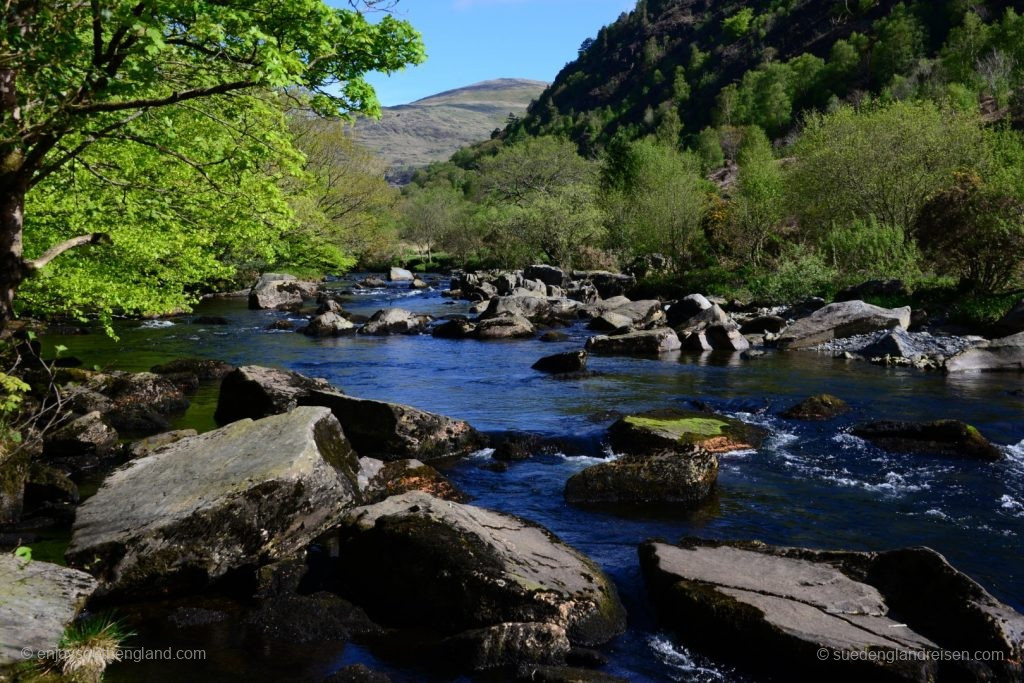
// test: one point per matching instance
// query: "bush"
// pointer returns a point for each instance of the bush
(738, 25)
(867, 249)
(801, 272)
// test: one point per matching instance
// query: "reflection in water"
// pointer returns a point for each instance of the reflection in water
(810, 484)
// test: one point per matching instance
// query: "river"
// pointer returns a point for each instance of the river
(811, 484)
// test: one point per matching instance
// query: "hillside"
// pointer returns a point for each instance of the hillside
(431, 129)
(714, 62)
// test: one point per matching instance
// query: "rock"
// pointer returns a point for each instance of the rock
(254, 392)
(395, 321)
(507, 644)
(597, 308)
(533, 308)
(484, 569)
(541, 673)
(14, 469)
(328, 325)
(549, 275)
(357, 673)
(702, 320)
(373, 282)
(400, 275)
(209, 320)
(763, 324)
(686, 308)
(804, 308)
(39, 600)
(554, 336)
(151, 444)
(678, 476)
(874, 288)
(140, 402)
(457, 328)
(998, 355)
(657, 430)
(641, 313)
(726, 337)
(607, 284)
(247, 493)
(948, 438)
(875, 616)
(506, 283)
(389, 431)
(898, 343)
(507, 326)
(82, 437)
(1013, 322)
(563, 363)
(281, 325)
(279, 291)
(533, 286)
(610, 321)
(819, 407)
(386, 479)
(47, 485)
(203, 368)
(583, 292)
(839, 320)
(641, 343)
(419, 284)
(328, 306)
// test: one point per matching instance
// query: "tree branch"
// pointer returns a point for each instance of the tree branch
(67, 245)
(173, 98)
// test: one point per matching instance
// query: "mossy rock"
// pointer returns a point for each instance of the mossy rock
(946, 438)
(678, 477)
(657, 430)
(820, 407)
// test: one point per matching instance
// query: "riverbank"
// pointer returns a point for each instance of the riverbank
(809, 484)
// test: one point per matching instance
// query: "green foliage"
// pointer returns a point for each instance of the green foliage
(801, 272)
(865, 249)
(845, 166)
(738, 25)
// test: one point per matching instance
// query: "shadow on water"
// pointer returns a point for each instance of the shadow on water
(810, 484)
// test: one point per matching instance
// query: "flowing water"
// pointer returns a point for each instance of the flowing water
(811, 484)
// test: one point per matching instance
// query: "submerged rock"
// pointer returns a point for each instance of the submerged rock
(554, 336)
(485, 570)
(832, 615)
(819, 407)
(203, 368)
(38, 600)
(998, 355)
(241, 495)
(563, 363)
(151, 444)
(948, 438)
(682, 476)
(642, 343)
(842, 319)
(670, 428)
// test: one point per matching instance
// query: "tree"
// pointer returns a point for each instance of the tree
(885, 161)
(760, 193)
(73, 74)
(534, 165)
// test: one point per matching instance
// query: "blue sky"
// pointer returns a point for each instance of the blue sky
(476, 40)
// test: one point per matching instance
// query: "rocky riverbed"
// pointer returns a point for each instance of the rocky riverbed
(361, 445)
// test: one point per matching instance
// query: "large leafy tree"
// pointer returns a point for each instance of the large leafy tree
(76, 72)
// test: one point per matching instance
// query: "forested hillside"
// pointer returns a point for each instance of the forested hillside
(764, 61)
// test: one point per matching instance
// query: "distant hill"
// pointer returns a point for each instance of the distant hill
(431, 129)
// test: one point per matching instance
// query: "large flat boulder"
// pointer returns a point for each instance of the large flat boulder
(674, 476)
(997, 355)
(667, 428)
(38, 600)
(842, 319)
(642, 343)
(821, 615)
(196, 510)
(414, 561)
(279, 291)
(395, 321)
(378, 429)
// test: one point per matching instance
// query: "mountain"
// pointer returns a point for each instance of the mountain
(431, 129)
(683, 65)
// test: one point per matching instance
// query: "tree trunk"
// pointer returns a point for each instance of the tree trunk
(12, 265)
